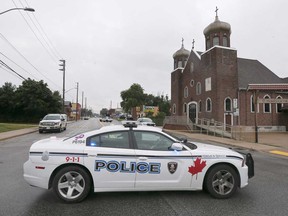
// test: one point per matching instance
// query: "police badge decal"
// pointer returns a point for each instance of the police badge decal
(172, 167)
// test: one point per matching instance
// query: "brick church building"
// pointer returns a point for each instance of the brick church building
(218, 86)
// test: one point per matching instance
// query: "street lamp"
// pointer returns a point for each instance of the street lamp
(25, 9)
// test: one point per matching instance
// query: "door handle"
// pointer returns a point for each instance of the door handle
(143, 158)
(92, 155)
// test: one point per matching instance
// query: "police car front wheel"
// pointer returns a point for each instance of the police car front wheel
(72, 184)
(222, 181)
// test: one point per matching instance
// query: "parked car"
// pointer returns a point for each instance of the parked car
(134, 158)
(106, 119)
(53, 122)
(145, 121)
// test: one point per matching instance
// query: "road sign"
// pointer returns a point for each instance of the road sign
(268, 100)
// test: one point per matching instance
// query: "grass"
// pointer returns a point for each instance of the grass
(4, 127)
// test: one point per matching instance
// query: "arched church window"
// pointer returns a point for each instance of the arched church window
(267, 106)
(198, 88)
(186, 92)
(179, 63)
(184, 108)
(191, 67)
(174, 109)
(215, 40)
(225, 41)
(208, 44)
(208, 105)
(279, 105)
(228, 105)
(252, 106)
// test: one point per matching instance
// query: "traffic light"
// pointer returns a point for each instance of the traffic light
(62, 65)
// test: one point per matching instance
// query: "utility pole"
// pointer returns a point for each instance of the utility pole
(63, 65)
(77, 101)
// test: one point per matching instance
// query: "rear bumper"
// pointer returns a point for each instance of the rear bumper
(37, 176)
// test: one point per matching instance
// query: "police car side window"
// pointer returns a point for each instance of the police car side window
(110, 140)
(146, 140)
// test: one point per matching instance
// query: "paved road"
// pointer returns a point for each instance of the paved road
(265, 195)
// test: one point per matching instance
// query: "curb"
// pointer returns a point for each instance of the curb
(16, 133)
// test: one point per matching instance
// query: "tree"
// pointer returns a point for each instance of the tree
(34, 99)
(104, 112)
(132, 97)
(7, 101)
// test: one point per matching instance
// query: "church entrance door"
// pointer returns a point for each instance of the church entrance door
(192, 111)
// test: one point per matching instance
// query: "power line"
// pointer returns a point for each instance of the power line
(17, 65)
(52, 57)
(5, 65)
(50, 44)
(6, 40)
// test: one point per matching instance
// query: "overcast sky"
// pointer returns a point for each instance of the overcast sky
(110, 44)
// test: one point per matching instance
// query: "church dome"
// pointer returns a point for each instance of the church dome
(217, 25)
(181, 53)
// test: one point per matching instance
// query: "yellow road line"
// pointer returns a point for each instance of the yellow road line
(279, 152)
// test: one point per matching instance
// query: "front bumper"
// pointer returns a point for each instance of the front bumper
(250, 164)
(49, 128)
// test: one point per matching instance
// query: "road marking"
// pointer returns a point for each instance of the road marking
(279, 152)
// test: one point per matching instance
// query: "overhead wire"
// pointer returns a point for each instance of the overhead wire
(50, 44)
(49, 47)
(8, 67)
(7, 41)
(52, 57)
(18, 65)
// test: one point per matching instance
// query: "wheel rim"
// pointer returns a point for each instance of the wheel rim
(71, 185)
(223, 182)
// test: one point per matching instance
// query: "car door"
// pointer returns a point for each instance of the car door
(111, 160)
(159, 167)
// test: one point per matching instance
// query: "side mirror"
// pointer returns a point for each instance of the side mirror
(176, 146)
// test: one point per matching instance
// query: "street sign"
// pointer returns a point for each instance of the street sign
(268, 100)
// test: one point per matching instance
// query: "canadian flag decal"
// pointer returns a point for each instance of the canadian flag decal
(198, 166)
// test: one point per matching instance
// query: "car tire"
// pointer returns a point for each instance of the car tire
(72, 184)
(221, 181)
(40, 131)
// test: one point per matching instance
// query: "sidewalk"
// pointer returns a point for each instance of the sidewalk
(276, 143)
(15, 133)
(268, 142)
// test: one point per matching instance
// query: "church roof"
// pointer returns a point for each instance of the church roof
(253, 71)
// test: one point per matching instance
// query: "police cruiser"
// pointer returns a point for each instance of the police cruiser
(133, 158)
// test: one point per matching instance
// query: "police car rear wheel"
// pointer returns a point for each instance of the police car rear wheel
(72, 184)
(222, 181)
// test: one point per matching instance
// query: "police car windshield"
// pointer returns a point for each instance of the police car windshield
(182, 139)
(179, 139)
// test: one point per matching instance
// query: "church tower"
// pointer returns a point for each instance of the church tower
(217, 33)
(180, 57)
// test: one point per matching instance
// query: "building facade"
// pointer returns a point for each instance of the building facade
(217, 85)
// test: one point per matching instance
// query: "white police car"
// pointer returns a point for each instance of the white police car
(133, 158)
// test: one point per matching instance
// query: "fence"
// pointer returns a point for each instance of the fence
(203, 125)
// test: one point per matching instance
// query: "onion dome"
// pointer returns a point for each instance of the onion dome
(217, 26)
(181, 52)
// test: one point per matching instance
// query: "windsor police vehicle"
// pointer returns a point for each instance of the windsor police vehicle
(133, 158)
